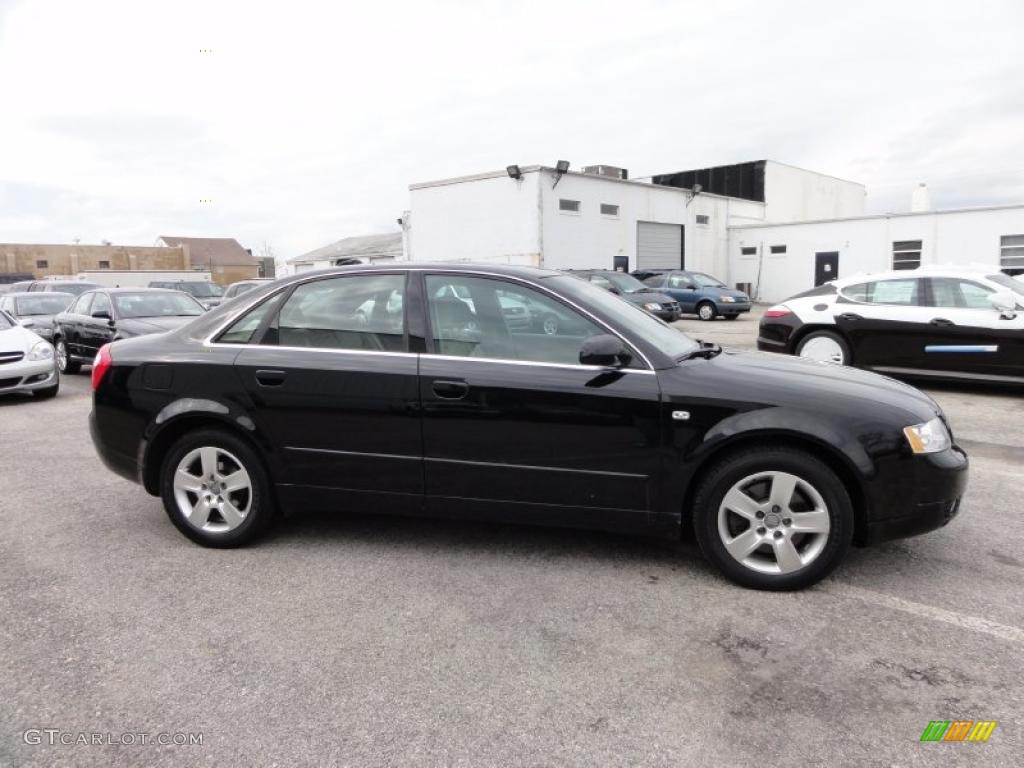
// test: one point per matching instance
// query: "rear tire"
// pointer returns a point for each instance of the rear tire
(706, 311)
(824, 346)
(64, 362)
(773, 518)
(731, 317)
(215, 489)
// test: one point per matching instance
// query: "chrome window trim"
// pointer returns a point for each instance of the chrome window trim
(208, 341)
(571, 366)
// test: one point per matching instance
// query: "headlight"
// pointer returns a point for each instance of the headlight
(930, 437)
(727, 299)
(41, 351)
(652, 307)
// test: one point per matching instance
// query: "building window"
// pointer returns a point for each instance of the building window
(748, 250)
(703, 218)
(42, 264)
(906, 254)
(104, 264)
(1011, 254)
(778, 249)
(607, 209)
(569, 206)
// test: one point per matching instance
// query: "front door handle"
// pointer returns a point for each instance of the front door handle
(270, 378)
(942, 322)
(450, 390)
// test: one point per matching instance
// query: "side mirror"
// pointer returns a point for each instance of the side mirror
(1004, 302)
(26, 322)
(101, 314)
(606, 351)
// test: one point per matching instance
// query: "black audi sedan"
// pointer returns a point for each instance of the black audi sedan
(383, 389)
(98, 317)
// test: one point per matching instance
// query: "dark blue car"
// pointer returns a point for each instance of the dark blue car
(697, 293)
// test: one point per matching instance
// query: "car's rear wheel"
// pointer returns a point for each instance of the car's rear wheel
(215, 489)
(773, 518)
(731, 317)
(64, 362)
(824, 346)
(706, 310)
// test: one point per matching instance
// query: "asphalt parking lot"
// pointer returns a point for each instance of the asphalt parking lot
(386, 641)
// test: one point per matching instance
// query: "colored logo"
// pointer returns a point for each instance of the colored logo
(958, 730)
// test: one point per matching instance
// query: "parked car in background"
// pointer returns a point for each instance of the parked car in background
(75, 287)
(26, 361)
(99, 317)
(930, 322)
(36, 311)
(20, 286)
(698, 293)
(237, 289)
(633, 291)
(432, 405)
(207, 293)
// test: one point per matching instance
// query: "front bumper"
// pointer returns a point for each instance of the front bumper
(733, 308)
(916, 494)
(28, 375)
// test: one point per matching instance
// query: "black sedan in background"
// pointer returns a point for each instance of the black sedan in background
(36, 311)
(633, 291)
(383, 389)
(99, 317)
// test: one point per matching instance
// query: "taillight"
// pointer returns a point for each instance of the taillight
(779, 311)
(100, 366)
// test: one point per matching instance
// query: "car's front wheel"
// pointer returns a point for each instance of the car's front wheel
(215, 489)
(706, 310)
(773, 518)
(824, 346)
(64, 362)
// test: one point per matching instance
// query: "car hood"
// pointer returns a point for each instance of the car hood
(39, 321)
(770, 379)
(17, 339)
(142, 325)
(646, 297)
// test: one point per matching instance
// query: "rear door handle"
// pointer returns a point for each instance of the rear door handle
(270, 378)
(850, 317)
(941, 321)
(450, 390)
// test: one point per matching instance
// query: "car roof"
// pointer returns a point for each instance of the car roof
(19, 294)
(499, 270)
(928, 271)
(137, 289)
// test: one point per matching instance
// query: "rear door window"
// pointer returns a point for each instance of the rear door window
(357, 312)
(898, 292)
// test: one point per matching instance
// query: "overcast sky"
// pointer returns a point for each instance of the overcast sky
(307, 121)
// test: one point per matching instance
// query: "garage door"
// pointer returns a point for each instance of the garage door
(659, 246)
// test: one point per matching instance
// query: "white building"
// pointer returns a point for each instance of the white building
(361, 249)
(768, 227)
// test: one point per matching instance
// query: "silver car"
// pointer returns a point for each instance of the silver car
(27, 362)
(35, 311)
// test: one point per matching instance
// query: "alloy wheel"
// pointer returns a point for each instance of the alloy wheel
(62, 356)
(823, 349)
(212, 489)
(706, 312)
(550, 325)
(774, 522)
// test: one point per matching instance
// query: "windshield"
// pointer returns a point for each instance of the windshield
(43, 304)
(201, 290)
(671, 342)
(622, 281)
(707, 281)
(156, 305)
(76, 288)
(1008, 282)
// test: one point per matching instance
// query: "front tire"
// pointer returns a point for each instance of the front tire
(64, 362)
(824, 346)
(773, 518)
(706, 311)
(215, 489)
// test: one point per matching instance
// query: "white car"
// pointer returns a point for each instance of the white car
(946, 322)
(27, 362)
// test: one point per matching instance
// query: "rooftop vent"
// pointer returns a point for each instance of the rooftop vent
(609, 171)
